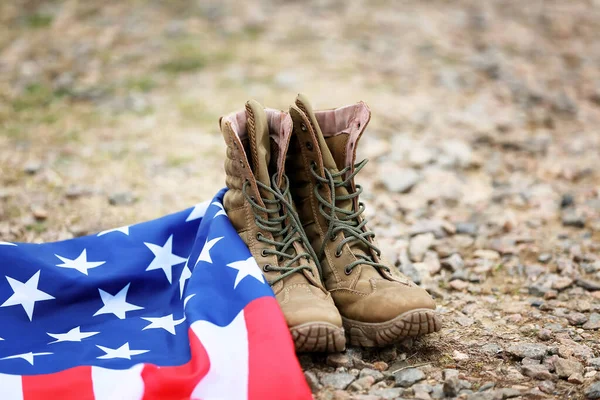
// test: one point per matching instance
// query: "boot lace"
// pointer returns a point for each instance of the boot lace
(342, 220)
(286, 225)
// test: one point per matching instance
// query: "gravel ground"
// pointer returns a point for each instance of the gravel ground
(482, 185)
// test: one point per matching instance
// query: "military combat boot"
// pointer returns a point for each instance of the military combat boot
(378, 304)
(259, 204)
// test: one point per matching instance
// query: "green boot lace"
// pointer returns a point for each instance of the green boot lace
(342, 220)
(285, 225)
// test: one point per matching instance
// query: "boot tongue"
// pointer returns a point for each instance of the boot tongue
(260, 146)
(328, 159)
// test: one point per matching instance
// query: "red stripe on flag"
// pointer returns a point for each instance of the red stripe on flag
(178, 382)
(274, 370)
(70, 384)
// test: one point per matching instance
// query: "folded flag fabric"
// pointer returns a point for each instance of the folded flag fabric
(174, 308)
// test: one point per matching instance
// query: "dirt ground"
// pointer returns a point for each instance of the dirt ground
(483, 181)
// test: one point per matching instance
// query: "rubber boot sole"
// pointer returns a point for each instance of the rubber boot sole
(413, 323)
(318, 337)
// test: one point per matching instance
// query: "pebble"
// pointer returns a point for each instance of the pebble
(419, 245)
(313, 381)
(561, 283)
(390, 393)
(566, 368)
(378, 376)
(408, 377)
(576, 378)
(545, 257)
(571, 218)
(454, 262)
(593, 322)
(458, 356)
(547, 387)
(487, 254)
(593, 391)
(529, 350)
(40, 214)
(337, 380)
(577, 318)
(594, 363)
(466, 228)
(451, 386)
(491, 349)
(121, 198)
(363, 383)
(380, 366)
(538, 371)
(339, 360)
(32, 167)
(400, 180)
(587, 284)
(544, 334)
(458, 285)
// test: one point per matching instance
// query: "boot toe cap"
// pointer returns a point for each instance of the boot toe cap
(303, 306)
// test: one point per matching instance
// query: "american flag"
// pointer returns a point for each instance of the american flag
(174, 308)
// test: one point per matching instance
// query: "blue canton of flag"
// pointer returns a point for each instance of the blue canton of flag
(174, 308)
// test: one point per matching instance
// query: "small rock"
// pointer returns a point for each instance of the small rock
(587, 284)
(40, 214)
(530, 350)
(387, 394)
(458, 285)
(363, 383)
(594, 362)
(577, 318)
(544, 334)
(565, 368)
(371, 372)
(561, 283)
(458, 356)
(32, 167)
(451, 386)
(592, 392)
(313, 381)
(408, 377)
(122, 198)
(544, 257)
(547, 386)
(419, 244)
(380, 366)
(449, 373)
(400, 180)
(576, 378)
(487, 254)
(530, 361)
(388, 354)
(593, 322)
(537, 372)
(567, 201)
(454, 262)
(337, 380)
(491, 349)
(466, 228)
(571, 218)
(432, 261)
(339, 360)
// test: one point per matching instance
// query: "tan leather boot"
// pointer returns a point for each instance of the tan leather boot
(378, 304)
(260, 207)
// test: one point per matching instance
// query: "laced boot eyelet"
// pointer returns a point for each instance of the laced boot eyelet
(264, 253)
(338, 254)
(242, 163)
(313, 164)
(347, 271)
(309, 146)
(303, 127)
(259, 235)
(333, 238)
(267, 267)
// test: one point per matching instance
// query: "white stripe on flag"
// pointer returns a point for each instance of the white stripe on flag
(227, 349)
(11, 387)
(118, 384)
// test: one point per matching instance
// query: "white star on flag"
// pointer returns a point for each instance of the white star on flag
(7, 244)
(198, 211)
(121, 352)
(221, 211)
(186, 274)
(246, 268)
(74, 335)
(26, 294)
(164, 258)
(1, 338)
(26, 356)
(122, 229)
(116, 304)
(167, 323)
(80, 263)
(205, 253)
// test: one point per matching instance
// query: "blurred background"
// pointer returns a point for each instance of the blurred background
(483, 143)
